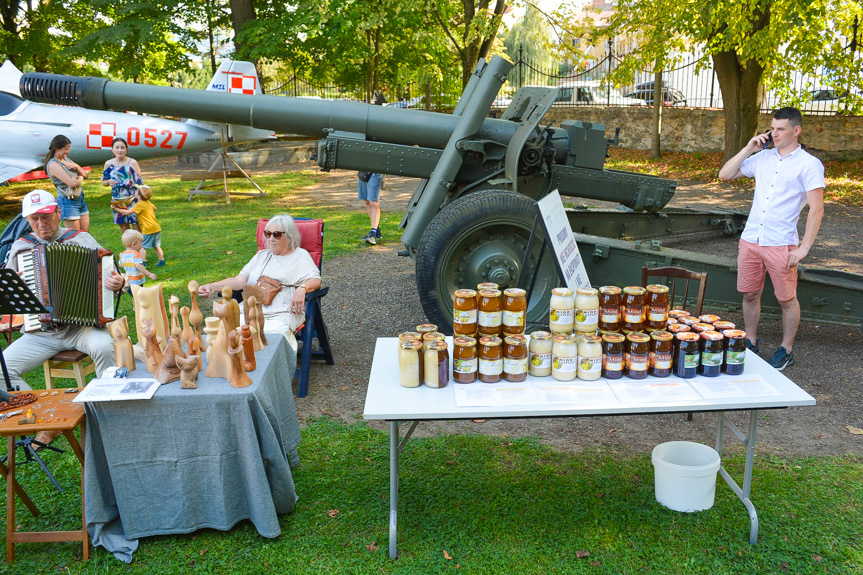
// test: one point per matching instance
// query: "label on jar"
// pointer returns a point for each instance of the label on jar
(540, 360)
(561, 317)
(634, 314)
(612, 362)
(515, 366)
(489, 318)
(565, 364)
(637, 361)
(711, 358)
(611, 314)
(657, 313)
(464, 316)
(587, 316)
(691, 359)
(589, 364)
(735, 357)
(513, 318)
(661, 360)
(491, 367)
(464, 365)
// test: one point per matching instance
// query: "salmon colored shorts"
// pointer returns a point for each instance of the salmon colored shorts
(753, 260)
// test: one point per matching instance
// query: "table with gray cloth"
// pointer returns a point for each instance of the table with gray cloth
(193, 458)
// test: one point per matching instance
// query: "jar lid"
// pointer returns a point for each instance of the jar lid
(587, 338)
(426, 327)
(409, 336)
(466, 293)
(515, 340)
(678, 327)
(609, 290)
(734, 333)
(657, 288)
(670, 321)
(464, 341)
(564, 338)
(411, 344)
(543, 335)
(678, 313)
(433, 336)
(436, 345)
(613, 337)
(688, 320)
(708, 318)
(486, 285)
(489, 293)
(638, 337)
(514, 292)
(561, 291)
(700, 327)
(587, 291)
(490, 340)
(634, 290)
(687, 336)
(723, 325)
(711, 335)
(662, 336)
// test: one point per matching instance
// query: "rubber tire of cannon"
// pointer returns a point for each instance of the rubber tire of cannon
(478, 238)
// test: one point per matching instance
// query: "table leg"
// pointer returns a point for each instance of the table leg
(10, 500)
(394, 487)
(22, 495)
(749, 442)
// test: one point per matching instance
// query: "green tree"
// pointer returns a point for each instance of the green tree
(530, 37)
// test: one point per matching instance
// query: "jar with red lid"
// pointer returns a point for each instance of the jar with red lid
(515, 358)
(711, 353)
(657, 307)
(661, 353)
(490, 359)
(464, 312)
(609, 308)
(735, 351)
(634, 304)
(637, 355)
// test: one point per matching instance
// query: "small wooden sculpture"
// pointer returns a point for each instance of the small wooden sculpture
(252, 320)
(169, 370)
(195, 349)
(223, 309)
(174, 306)
(188, 332)
(124, 353)
(189, 368)
(154, 352)
(149, 304)
(195, 315)
(211, 331)
(259, 308)
(248, 348)
(237, 376)
(218, 363)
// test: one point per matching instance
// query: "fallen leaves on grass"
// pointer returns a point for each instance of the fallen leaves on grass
(446, 555)
(326, 411)
(372, 547)
(853, 430)
(332, 512)
(581, 554)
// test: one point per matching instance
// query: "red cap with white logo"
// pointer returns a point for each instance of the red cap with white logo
(38, 202)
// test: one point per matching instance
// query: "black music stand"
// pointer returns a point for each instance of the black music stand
(17, 299)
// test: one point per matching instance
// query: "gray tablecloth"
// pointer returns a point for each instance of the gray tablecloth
(193, 458)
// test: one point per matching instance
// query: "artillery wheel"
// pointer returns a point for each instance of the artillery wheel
(481, 237)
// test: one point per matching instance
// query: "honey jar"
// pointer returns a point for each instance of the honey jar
(561, 317)
(515, 358)
(586, 310)
(609, 308)
(612, 355)
(539, 354)
(723, 325)
(564, 360)
(490, 313)
(589, 357)
(735, 351)
(678, 313)
(514, 310)
(708, 318)
(490, 359)
(464, 312)
(410, 335)
(426, 328)
(637, 355)
(464, 359)
(634, 302)
(410, 352)
(661, 353)
(657, 307)
(436, 364)
(687, 355)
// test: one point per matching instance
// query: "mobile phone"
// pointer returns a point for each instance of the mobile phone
(769, 141)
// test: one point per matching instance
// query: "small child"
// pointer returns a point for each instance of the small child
(151, 229)
(131, 260)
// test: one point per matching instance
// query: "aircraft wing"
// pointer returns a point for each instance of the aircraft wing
(11, 167)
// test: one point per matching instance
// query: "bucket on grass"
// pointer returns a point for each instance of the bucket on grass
(685, 475)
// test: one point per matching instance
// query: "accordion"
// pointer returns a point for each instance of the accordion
(69, 281)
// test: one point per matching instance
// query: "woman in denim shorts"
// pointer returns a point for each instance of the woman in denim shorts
(68, 177)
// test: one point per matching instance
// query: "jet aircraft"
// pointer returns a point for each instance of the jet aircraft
(28, 127)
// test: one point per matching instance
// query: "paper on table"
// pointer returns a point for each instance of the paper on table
(118, 389)
(749, 385)
(494, 394)
(576, 392)
(653, 389)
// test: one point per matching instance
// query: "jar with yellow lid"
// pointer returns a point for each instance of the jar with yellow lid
(562, 314)
(436, 364)
(589, 357)
(613, 355)
(464, 312)
(564, 361)
(426, 328)
(410, 352)
(514, 311)
(490, 312)
(586, 310)
(661, 353)
(539, 354)
(490, 359)
(634, 302)
(637, 355)
(465, 362)
(657, 307)
(609, 308)
(410, 335)
(515, 358)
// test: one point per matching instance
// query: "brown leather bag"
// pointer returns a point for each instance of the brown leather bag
(270, 288)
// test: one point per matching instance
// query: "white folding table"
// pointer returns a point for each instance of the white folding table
(387, 400)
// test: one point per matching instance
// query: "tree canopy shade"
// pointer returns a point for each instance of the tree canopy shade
(530, 38)
(471, 26)
(752, 45)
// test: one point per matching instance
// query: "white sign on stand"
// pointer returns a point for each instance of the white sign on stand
(558, 234)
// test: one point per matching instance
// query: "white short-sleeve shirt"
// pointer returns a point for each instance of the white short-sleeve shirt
(291, 269)
(781, 184)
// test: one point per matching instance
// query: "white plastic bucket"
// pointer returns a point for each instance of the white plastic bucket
(685, 475)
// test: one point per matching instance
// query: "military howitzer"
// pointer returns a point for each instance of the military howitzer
(471, 216)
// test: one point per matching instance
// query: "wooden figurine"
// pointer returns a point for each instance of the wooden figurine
(218, 363)
(250, 291)
(169, 370)
(124, 353)
(252, 319)
(259, 309)
(248, 348)
(195, 315)
(189, 368)
(223, 309)
(237, 376)
(188, 332)
(154, 352)
(174, 306)
(149, 304)
(195, 349)
(211, 330)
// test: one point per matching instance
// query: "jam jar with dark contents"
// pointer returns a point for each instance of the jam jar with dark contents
(436, 364)
(708, 318)
(661, 353)
(609, 308)
(722, 325)
(711, 353)
(687, 354)
(677, 327)
(701, 327)
(464, 310)
(735, 351)
(637, 355)
(612, 355)
(515, 358)
(490, 359)
(657, 308)
(464, 359)
(678, 313)
(634, 302)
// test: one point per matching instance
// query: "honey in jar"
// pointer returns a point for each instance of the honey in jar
(490, 359)
(586, 310)
(436, 364)
(564, 360)
(514, 310)
(410, 372)
(464, 359)
(433, 336)
(711, 353)
(637, 355)
(464, 312)
(539, 354)
(661, 353)
(634, 302)
(410, 335)
(490, 312)
(561, 317)
(482, 286)
(687, 355)
(612, 355)
(657, 307)
(515, 358)
(424, 328)
(609, 308)
(589, 357)
(735, 351)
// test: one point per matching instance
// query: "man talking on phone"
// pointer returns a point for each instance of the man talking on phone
(786, 178)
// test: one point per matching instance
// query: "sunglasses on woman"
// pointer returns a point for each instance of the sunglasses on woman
(278, 235)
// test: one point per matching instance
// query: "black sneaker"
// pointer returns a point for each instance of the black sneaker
(371, 238)
(754, 347)
(781, 359)
(378, 233)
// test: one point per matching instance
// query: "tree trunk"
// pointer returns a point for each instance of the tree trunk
(741, 98)
(241, 12)
(656, 132)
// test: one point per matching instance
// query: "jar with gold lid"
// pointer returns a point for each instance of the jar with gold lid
(464, 312)
(586, 310)
(410, 371)
(609, 308)
(490, 359)
(564, 361)
(426, 328)
(490, 313)
(637, 355)
(436, 364)
(515, 358)
(661, 353)
(514, 311)
(589, 357)
(464, 359)
(613, 355)
(657, 307)
(539, 354)
(634, 302)
(562, 314)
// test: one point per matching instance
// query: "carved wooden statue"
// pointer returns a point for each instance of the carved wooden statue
(248, 348)
(168, 369)
(174, 306)
(228, 310)
(218, 363)
(154, 352)
(195, 315)
(211, 331)
(124, 354)
(189, 368)
(256, 325)
(237, 376)
(149, 304)
(188, 332)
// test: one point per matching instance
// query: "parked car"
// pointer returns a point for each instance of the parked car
(829, 100)
(670, 96)
(591, 93)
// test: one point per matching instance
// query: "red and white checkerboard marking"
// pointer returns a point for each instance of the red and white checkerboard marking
(100, 135)
(242, 84)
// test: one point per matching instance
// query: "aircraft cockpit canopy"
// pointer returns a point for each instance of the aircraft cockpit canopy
(9, 103)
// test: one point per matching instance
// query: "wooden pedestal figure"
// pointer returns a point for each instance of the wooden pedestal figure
(195, 315)
(188, 333)
(256, 325)
(174, 307)
(218, 363)
(211, 330)
(154, 352)
(228, 310)
(237, 376)
(189, 368)
(248, 348)
(124, 353)
(168, 369)
(149, 304)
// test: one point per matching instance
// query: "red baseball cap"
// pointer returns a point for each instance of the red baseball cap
(38, 202)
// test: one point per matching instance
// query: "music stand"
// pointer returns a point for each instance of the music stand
(17, 299)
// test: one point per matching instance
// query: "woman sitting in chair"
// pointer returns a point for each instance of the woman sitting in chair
(288, 264)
